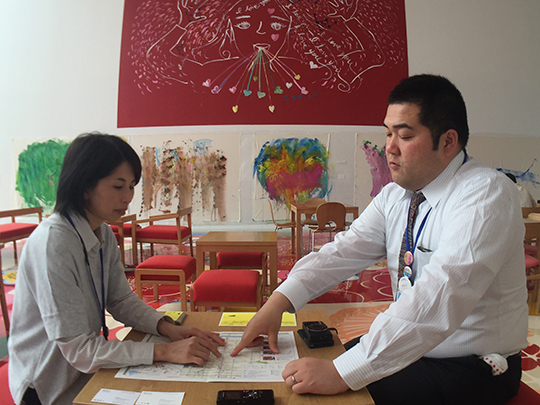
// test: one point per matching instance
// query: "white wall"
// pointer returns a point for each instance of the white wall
(59, 75)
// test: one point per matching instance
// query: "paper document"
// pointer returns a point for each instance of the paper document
(253, 364)
(160, 398)
(116, 397)
(242, 319)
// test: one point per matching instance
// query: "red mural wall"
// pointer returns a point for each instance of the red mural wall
(197, 62)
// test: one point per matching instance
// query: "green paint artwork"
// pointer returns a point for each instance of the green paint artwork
(39, 170)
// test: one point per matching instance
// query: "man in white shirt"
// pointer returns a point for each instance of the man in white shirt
(455, 332)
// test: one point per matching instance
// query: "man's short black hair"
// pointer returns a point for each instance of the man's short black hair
(90, 158)
(441, 105)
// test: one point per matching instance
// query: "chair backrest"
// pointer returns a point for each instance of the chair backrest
(331, 212)
(315, 201)
(272, 213)
(532, 232)
(527, 210)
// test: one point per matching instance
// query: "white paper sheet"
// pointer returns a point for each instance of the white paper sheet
(253, 364)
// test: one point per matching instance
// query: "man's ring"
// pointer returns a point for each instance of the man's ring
(293, 379)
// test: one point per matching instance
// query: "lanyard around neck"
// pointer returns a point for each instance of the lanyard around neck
(420, 229)
(101, 307)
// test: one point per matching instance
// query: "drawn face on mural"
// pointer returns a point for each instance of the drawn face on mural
(259, 25)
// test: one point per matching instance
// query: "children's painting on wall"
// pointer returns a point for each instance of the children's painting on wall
(180, 172)
(259, 61)
(289, 170)
(39, 163)
(515, 155)
(372, 172)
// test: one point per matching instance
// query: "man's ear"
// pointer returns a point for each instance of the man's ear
(450, 143)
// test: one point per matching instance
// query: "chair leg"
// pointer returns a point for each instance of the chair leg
(3, 302)
(15, 252)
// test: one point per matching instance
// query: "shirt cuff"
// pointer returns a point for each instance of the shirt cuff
(295, 293)
(354, 369)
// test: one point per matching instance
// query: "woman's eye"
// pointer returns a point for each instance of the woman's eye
(244, 25)
(276, 26)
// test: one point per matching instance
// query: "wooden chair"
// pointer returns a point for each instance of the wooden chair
(14, 231)
(165, 269)
(227, 288)
(314, 202)
(330, 218)
(526, 396)
(244, 261)
(532, 259)
(3, 303)
(122, 230)
(283, 225)
(164, 234)
(5, 398)
(526, 211)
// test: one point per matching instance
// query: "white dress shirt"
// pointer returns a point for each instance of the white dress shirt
(469, 294)
(55, 343)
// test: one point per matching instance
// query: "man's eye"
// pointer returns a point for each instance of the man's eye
(244, 25)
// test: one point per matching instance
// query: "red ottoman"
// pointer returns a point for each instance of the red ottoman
(165, 269)
(222, 288)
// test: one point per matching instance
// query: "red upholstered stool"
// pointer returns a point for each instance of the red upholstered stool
(165, 269)
(525, 396)
(244, 260)
(222, 288)
(5, 396)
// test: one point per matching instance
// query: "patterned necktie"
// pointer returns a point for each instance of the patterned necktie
(416, 200)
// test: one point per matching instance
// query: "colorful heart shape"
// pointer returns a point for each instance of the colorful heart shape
(297, 77)
(215, 90)
(271, 108)
(278, 90)
(313, 65)
(304, 91)
(255, 78)
(289, 85)
(232, 89)
(271, 10)
(261, 94)
(274, 37)
(235, 108)
(247, 93)
(207, 83)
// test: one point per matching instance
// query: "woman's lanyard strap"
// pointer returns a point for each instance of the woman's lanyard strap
(101, 307)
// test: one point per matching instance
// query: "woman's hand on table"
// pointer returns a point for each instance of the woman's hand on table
(176, 332)
(193, 349)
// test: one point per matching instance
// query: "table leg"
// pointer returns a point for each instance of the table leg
(298, 236)
(273, 268)
(200, 262)
(213, 260)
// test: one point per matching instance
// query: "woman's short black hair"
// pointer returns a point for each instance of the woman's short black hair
(90, 158)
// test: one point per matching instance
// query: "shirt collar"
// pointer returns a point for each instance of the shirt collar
(90, 239)
(435, 190)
